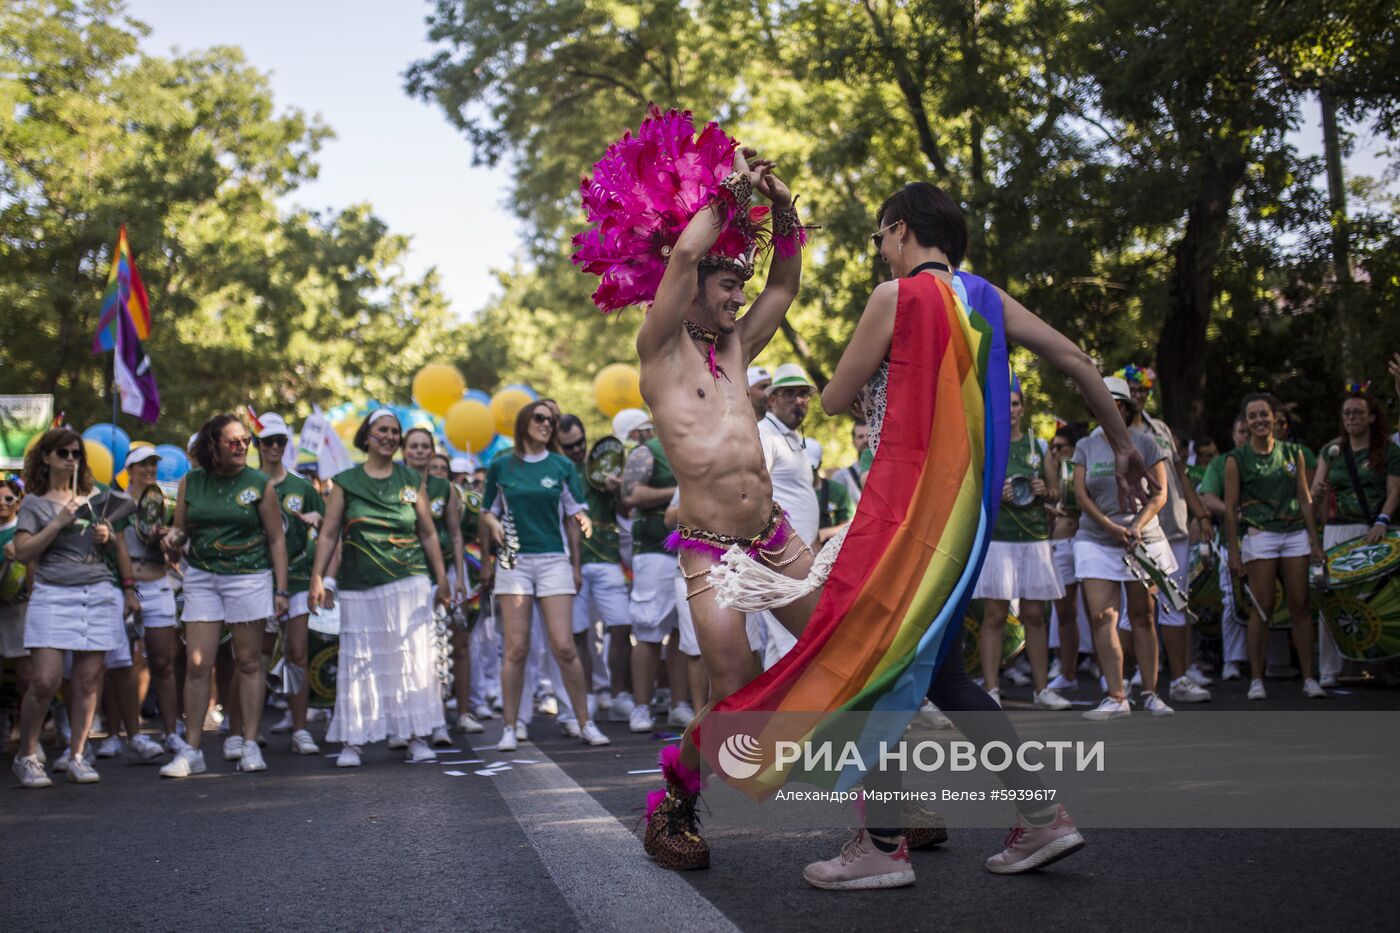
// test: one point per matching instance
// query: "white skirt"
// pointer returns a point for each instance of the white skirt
(1094, 561)
(75, 618)
(1018, 570)
(1063, 551)
(386, 678)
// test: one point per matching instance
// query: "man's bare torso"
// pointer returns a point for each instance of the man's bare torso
(708, 431)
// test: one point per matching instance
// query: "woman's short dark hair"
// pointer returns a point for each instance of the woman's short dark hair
(1073, 432)
(36, 471)
(522, 424)
(568, 422)
(934, 217)
(206, 443)
(361, 440)
(14, 486)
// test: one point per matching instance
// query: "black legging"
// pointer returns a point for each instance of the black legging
(953, 692)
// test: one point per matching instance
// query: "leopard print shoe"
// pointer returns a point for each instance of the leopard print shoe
(673, 834)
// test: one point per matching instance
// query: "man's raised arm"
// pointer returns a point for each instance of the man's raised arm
(784, 276)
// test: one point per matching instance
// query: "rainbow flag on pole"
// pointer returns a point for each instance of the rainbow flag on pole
(894, 603)
(124, 323)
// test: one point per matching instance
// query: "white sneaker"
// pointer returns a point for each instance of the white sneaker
(30, 772)
(640, 720)
(568, 728)
(283, 725)
(110, 747)
(440, 738)
(620, 708)
(594, 736)
(1059, 683)
(931, 717)
(604, 698)
(467, 723)
(304, 744)
(995, 694)
(186, 762)
(144, 750)
(522, 730)
(1198, 676)
(349, 757)
(1231, 671)
(1329, 680)
(483, 712)
(81, 771)
(61, 764)
(1137, 678)
(233, 748)
(1186, 690)
(1313, 690)
(1049, 699)
(1109, 708)
(680, 715)
(1256, 689)
(174, 743)
(548, 706)
(396, 741)
(252, 759)
(1152, 703)
(507, 742)
(418, 751)
(1054, 669)
(1016, 677)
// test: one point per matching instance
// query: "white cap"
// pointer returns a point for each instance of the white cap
(789, 374)
(629, 420)
(813, 449)
(272, 425)
(758, 374)
(138, 454)
(1118, 388)
(461, 465)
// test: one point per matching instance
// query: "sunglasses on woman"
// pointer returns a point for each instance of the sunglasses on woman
(68, 453)
(8, 500)
(878, 237)
(539, 418)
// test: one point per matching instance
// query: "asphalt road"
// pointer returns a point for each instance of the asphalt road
(547, 845)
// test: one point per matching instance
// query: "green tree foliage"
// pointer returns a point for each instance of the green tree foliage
(250, 302)
(1126, 166)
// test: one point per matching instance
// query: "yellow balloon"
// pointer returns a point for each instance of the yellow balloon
(136, 444)
(99, 460)
(437, 387)
(345, 430)
(469, 425)
(505, 405)
(122, 479)
(616, 387)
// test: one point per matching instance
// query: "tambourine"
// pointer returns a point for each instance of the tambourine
(1022, 492)
(605, 462)
(151, 513)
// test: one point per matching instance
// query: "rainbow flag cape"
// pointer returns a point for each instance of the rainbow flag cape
(125, 293)
(894, 603)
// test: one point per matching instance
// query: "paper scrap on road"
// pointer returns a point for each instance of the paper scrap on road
(488, 773)
(525, 761)
(464, 761)
(646, 771)
(455, 773)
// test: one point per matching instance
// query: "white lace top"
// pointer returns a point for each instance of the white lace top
(872, 403)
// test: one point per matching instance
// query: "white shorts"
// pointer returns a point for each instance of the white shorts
(536, 575)
(1166, 615)
(1333, 535)
(1093, 561)
(298, 605)
(74, 618)
(1018, 570)
(652, 607)
(1271, 545)
(1062, 551)
(231, 598)
(603, 596)
(157, 603)
(689, 644)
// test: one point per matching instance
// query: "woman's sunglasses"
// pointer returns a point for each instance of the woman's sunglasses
(878, 237)
(68, 453)
(539, 418)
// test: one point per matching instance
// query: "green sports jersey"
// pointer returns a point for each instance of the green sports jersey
(836, 507)
(471, 513)
(1023, 522)
(649, 531)
(225, 529)
(1269, 487)
(602, 548)
(298, 498)
(1212, 483)
(538, 493)
(1348, 505)
(1195, 473)
(379, 538)
(439, 493)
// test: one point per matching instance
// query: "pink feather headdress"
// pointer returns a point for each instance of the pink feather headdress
(643, 193)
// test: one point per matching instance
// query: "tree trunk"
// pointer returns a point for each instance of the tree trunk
(1190, 292)
(1336, 188)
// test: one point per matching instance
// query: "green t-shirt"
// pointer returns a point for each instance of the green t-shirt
(838, 507)
(439, 492)
(1348, 510)
(379, 539)
(602, 548)
(1212, 482)
(1023, 522)
(1269, 487)
(539, 494)
(298, 498)
(225, 529)
(649, 531)
(471, 514)
(1196, 473)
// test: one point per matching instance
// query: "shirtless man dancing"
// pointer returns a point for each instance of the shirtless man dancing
(695, 352)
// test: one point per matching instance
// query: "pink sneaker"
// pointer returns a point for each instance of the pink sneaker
(1029, 847)
(862, 867)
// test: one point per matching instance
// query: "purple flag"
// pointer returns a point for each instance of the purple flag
(135, 381)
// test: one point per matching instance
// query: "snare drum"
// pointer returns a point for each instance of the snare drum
(1361, 606)
(1207, 600)
(1012, 643)
(323, 656)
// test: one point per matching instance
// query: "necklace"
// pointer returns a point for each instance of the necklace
(940, 266)
(707, 337)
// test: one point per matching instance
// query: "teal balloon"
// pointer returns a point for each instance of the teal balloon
(114, 439)
(480, 396)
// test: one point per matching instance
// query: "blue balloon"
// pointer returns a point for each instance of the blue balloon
(534, 396)
(480, 396)
(173, 464)
(114, 439)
